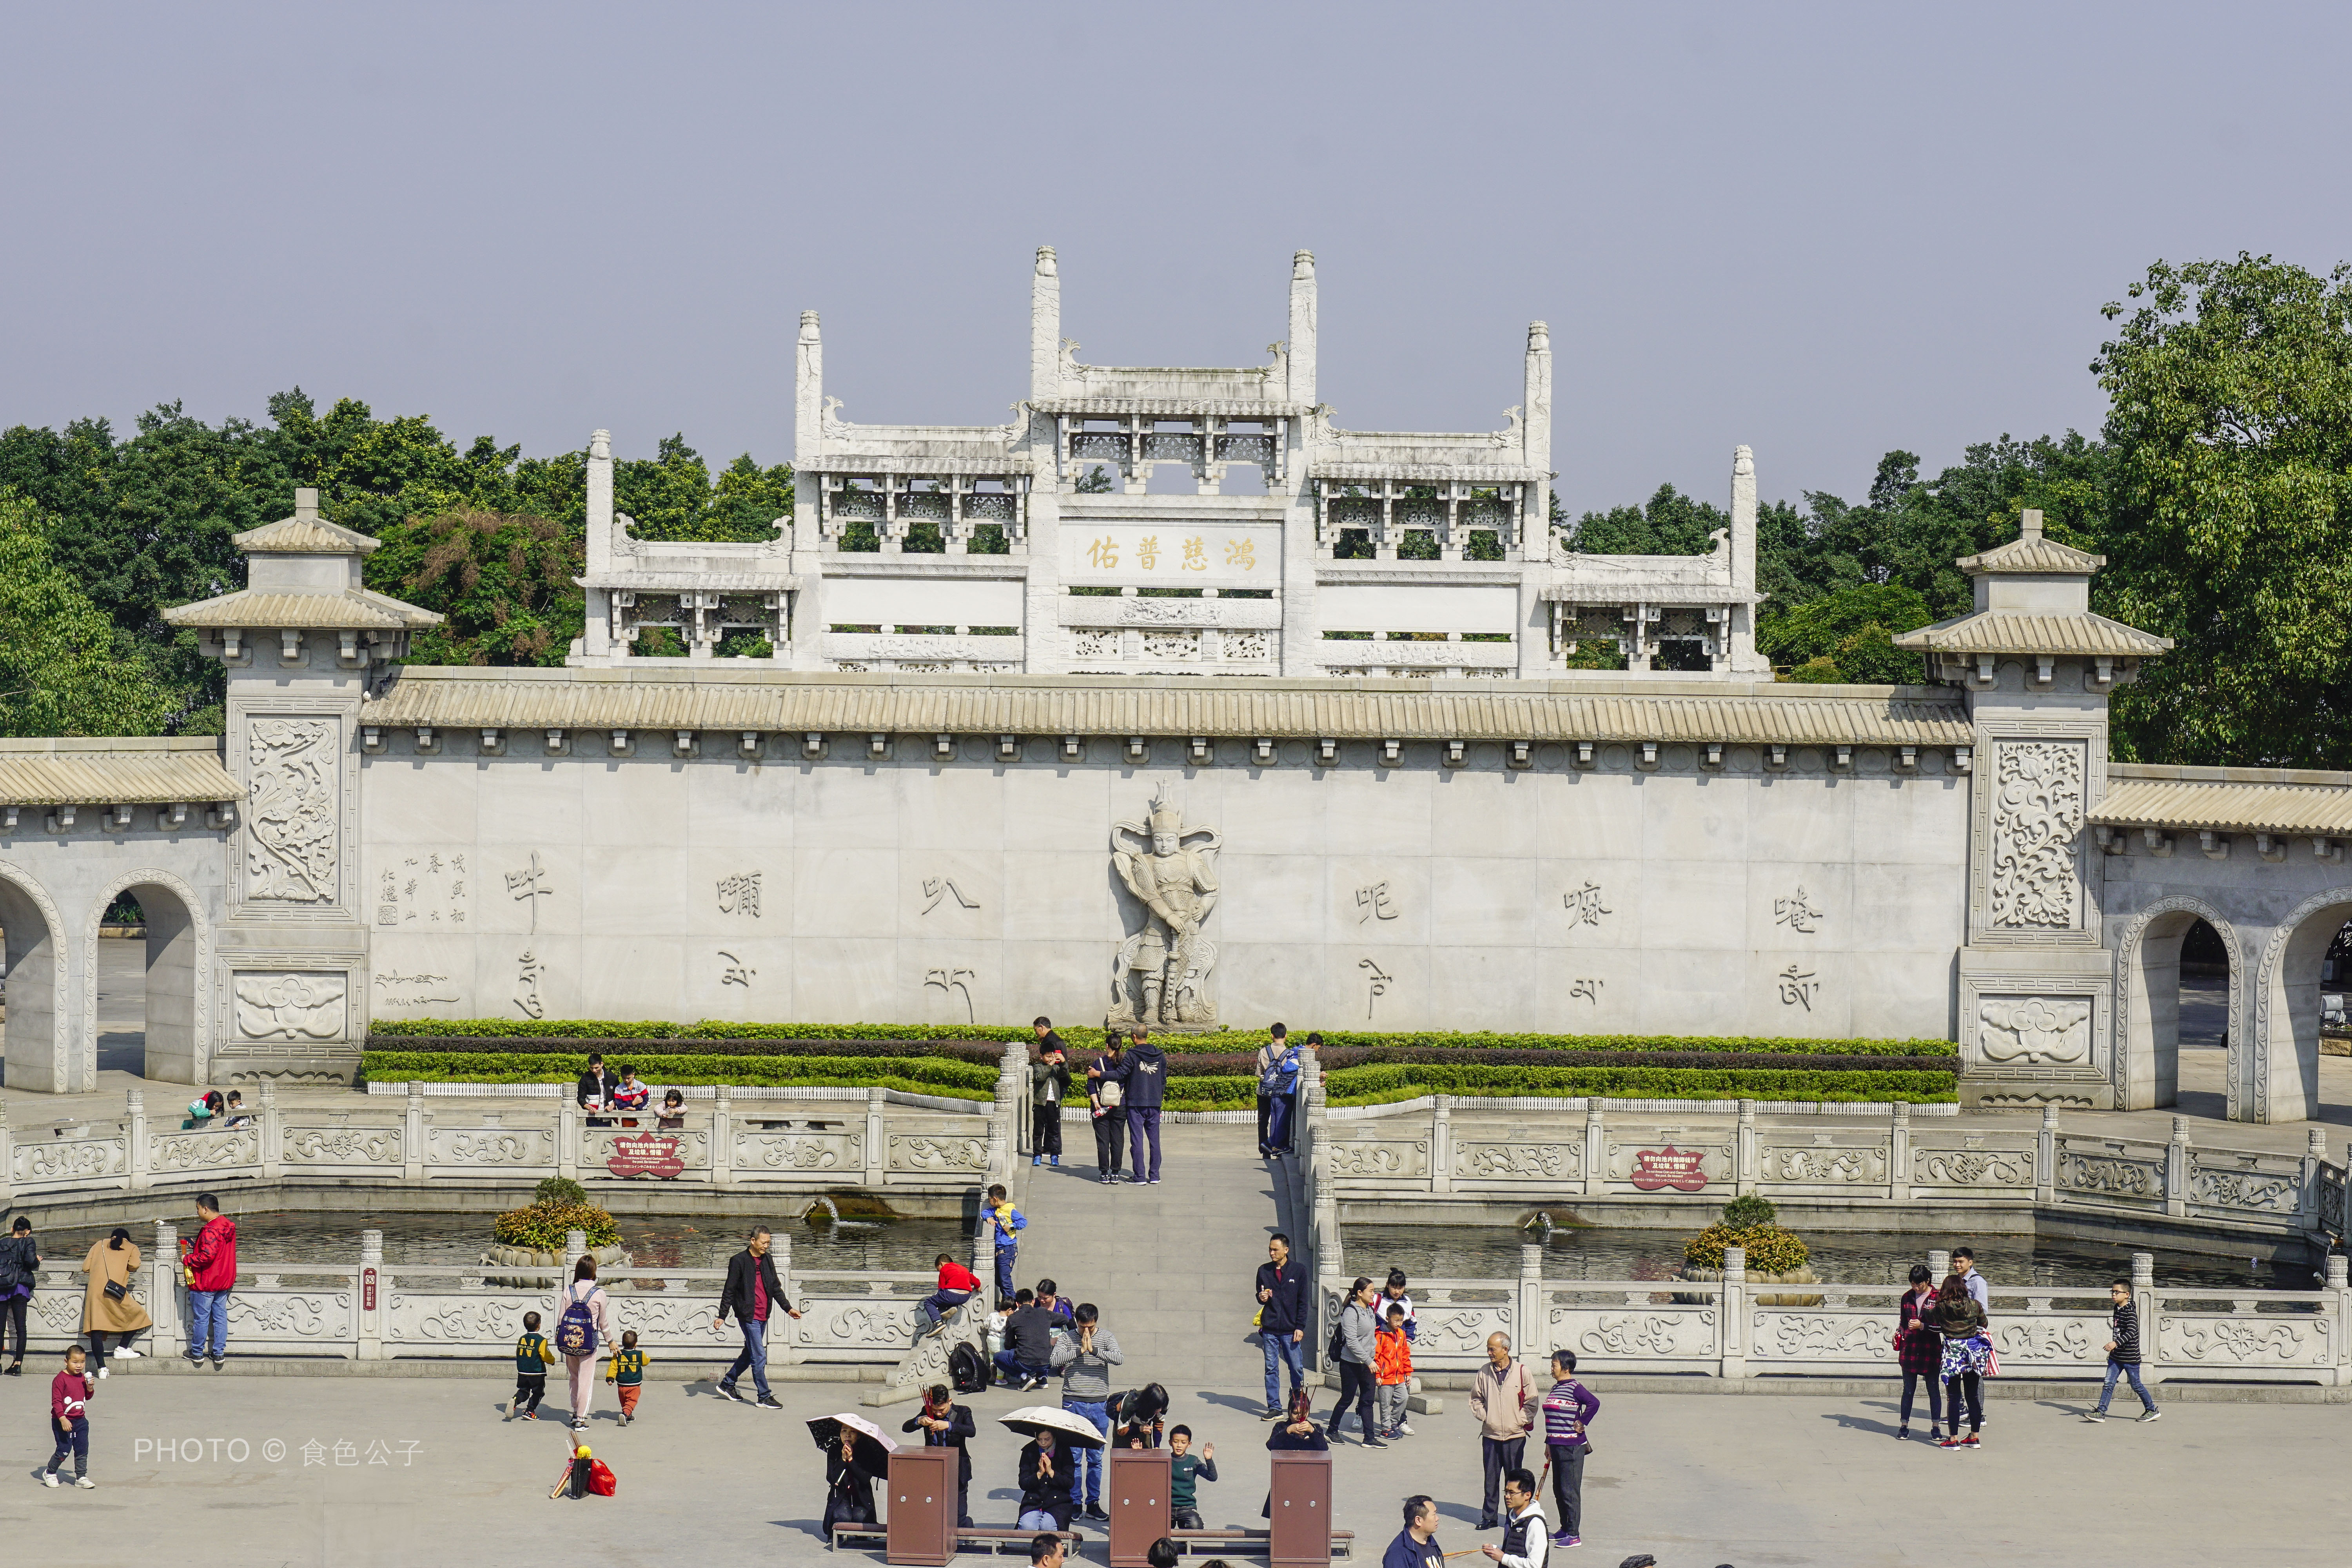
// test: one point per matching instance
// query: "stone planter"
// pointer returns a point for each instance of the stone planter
(1697, 1274)
(497, 1254)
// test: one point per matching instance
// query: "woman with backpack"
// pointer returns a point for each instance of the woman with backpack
(582, 1321)
(20, 1271)
(1966, 1351)
(1278, 1091)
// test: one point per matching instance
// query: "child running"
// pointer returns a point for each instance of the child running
(69, 1421)
(1185, 1469)
(534, 1357)
(627, 1374)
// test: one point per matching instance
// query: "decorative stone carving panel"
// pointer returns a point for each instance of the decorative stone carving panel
(1943, 1167)
(1459, 1333)
(1662, 1335)
(291, 1006)
(912, 1152)
(1518, 1161)
(800, 1150)
(1824, 1166)
(1816, 1336)
(175, 1153)
(340, 1145)
(2111, 1178)
(2029, 1030)
(2037, 817)
(2247, 1189)
(506, 1148)
(2050, 1341)
(2244, 1344)
(453, 1318)
(292, 826)
(71, 1160)
(1382, 1158)
(290, 1317)
(860, 1323)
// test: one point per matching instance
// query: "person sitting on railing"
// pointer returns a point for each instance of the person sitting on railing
(201, 1112)
(956, 1286)
(631, 1094)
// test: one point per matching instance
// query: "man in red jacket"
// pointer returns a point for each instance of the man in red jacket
(957, 1284)
(210, 1263)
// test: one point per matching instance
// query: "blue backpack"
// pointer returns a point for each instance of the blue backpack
(575, 1331)
(1283, 1075)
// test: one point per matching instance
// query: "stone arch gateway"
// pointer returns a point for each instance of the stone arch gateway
(2146, 1064)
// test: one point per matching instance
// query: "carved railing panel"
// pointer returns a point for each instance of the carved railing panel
(2110, 1170)
(497, 1149)
(1975, 1163)
(937, 1153)
(764, 1155)
(2249, 1343)
(173, 1155)
(68, 1162)
(2245, 1185)
(1637, 1338)
(1826, 1161)
(309, 1149)
(301, 1322)
(1516, 1162)
(1386, 1160)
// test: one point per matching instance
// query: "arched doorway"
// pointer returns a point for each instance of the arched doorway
(37, 1055)
(2283, 1072)
(2176, 985)
(142, 995)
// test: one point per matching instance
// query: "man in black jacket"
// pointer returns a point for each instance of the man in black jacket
(1143, 1077)
(947, 1425)
(595, 1090)
(1282, 1321)
(751, 1292)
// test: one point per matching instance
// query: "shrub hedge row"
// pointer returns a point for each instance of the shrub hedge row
(597, 1033)
(1369, 1085)
(912, 1075)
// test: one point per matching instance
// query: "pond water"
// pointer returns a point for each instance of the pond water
(1851, 1257)
(655, 1241)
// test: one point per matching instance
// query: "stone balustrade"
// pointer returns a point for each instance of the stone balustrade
(874, 1138)
(1734, 1328)
(365, 1308)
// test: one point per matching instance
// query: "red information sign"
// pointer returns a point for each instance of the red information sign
(367, 1289)
(646, 1154)
(1669, 1167)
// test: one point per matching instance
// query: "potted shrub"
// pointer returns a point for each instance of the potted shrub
(1775, 1256)
(534, 1235)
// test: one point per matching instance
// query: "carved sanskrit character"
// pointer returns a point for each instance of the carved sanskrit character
(1177, 887)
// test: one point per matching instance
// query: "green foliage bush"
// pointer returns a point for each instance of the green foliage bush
(1770, 1249)
(603, 1029)
(911, 1074)
(558, 1190)
(542, 1225)
(1749, 1210)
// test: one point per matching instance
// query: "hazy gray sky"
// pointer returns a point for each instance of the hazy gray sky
(1825, 231)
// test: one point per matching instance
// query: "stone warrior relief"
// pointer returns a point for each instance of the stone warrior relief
(291, 824)
(1163, 969)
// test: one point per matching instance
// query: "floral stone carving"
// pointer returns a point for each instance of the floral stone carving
(2037, 814)
(291, 1006)
(2034, 1029)
(290, 825)
(1163, 969)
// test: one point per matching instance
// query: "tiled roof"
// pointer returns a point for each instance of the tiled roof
(2227, 801)
(1110, 404)
(985, 465)
(305, 535)
(2033, 552)
(681, 582)
(1408, 473)
(791, 702)
(2034, 631)
(159, 771)
(356, 610)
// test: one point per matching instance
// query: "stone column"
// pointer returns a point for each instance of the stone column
(2045, 1159)
(273, 1133)
(1732, 1311)
(1595, 1151)
(877, 1152)
(779, 1247)
(1745, 1175)
(1899, 1154)
(2144, 1298)
(575, 1242)
(8, 1160)
(1744, 659)
(808, 495)
(1940, 1264)
(567, 1141)
(1298, 357)
(1046, 326)
(1535, 525)
(134, 1129)
(1300, 639)
(2176, 1170)
(2314, 1154)
(1041, 639)
(412, 1135)
(984, 1262)
(2338, 1283)
(164, 1299)
(1441, 1145)
(370, 1318)
(722, 1139)
(1534, 1334)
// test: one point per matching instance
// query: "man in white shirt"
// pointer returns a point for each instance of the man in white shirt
(1526, 1541)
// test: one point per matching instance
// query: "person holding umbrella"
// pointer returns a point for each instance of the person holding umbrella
(1048, 1469)
(947, 1425)
(856, 1454)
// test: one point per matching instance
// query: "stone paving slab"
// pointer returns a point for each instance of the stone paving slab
(1697, 1481)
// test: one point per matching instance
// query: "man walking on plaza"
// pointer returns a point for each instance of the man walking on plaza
(210, 1265)
(1143, 1077)
(1281, 1321)
(1417, 1545)
(1084, 1360)
(1504, 1402)
(751, 1292)
(2123, 1355)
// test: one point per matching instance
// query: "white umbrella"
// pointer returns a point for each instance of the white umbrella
(826, 1430)
(1031, 1419)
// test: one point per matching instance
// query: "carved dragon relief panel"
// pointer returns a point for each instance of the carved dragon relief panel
(292, 824)
(2037, 817)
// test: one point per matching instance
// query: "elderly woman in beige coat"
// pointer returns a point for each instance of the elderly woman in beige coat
(114, 1261)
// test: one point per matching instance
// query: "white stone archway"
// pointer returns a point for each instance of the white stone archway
(179, 1011)
(40, 1034)
(2145, 1067)
(2282, 1068)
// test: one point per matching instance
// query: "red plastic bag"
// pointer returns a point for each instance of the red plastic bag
(600, 1478)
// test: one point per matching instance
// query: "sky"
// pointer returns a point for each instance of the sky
(1824, 231)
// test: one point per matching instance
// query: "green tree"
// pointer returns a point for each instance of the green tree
(671, 496)
(1669, 523)
(503, 581)
(63, 667)
(1094, 481)
(1847, 636)
(2230, 528)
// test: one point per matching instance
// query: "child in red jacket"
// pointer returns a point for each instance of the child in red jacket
(957, 1285)
(69, 1421)
(1393, 1371)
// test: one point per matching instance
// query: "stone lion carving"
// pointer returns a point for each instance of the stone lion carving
(1163, 969)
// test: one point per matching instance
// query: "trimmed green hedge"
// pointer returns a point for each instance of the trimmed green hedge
(911, 1074)
(1087, 1038)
